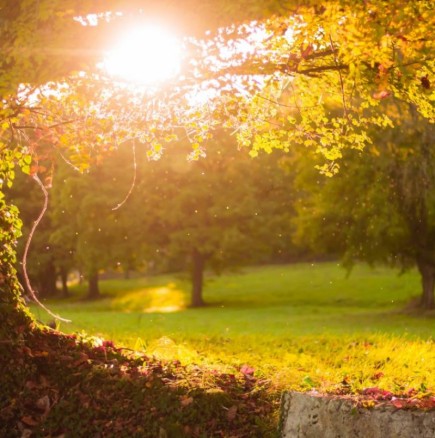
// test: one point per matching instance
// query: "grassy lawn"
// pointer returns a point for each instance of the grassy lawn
(300, 326)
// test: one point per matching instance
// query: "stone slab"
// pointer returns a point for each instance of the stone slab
(314, 416)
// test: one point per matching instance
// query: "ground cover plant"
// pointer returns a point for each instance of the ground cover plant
(64, 385)
(302, 327)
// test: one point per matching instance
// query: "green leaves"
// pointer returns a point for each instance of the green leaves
(380, 207)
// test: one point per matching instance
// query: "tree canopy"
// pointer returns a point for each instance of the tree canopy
(276, 74)
(130, 214)
(380, 208)
(314, 75)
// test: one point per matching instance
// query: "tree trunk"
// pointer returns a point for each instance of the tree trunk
(427, 272)
(64, 280)
(47, 282)
(93, 286)
(198, 264)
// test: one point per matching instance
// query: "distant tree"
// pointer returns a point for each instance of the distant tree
(174, 214)
(221, 211)
(85, 219)
(381, 207)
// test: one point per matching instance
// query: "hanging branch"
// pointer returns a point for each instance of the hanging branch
(26, 251)
(343, 97)
(133, 183)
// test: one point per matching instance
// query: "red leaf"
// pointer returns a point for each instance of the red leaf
(378, 394)
(247, 370)
(27, 351)
(83, 357)
(43, 404)
(382, 94)
(232, 412)
(186, 401)
(31, 385)
(397, 403)
(377, 376)
(411, 392)
(29, 421)
(40, 353)
(425, 82)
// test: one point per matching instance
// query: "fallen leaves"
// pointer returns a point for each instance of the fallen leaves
(375, 396)
(105, 390)
(69, 386)
(378, 394)
(82, 358)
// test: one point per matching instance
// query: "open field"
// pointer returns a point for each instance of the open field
(302, 326)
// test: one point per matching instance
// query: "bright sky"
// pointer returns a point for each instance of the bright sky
(145, 55)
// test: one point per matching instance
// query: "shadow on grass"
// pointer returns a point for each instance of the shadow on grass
(66, 386)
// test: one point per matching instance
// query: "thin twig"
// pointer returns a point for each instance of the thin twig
(26, 251)
(65, 122)
(68, 162)
(270, 122)
(284, 105)
(133, 183)
(343, 97)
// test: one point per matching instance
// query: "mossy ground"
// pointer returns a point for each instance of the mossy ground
(60, 385)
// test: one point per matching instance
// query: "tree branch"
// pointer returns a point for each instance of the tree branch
(343, 97)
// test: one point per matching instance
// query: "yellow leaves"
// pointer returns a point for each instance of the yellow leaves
(170, 137)
(332, 153)
(266, 112)
(328, 169)
(375, 151)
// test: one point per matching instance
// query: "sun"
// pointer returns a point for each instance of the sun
(146, 55)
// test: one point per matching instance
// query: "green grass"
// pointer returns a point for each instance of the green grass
(302, 326)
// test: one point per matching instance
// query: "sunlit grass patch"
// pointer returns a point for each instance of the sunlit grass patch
(331, 364)
(302, 326)
(163, 299)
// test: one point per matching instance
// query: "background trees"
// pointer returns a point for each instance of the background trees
(214, 213)
(381, 207)
(84, 218)
(218, 212)
(312, 58)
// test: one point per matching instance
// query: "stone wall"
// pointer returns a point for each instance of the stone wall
(311, 416)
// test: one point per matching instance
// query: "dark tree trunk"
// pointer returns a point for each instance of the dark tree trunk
(64, 280)
(93, 286)
(47, 282)
(427, 272)
(198, 264)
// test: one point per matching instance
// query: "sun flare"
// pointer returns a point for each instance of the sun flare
(145, 55)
